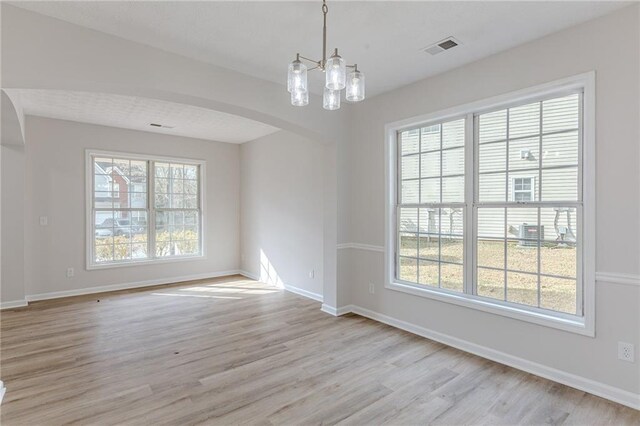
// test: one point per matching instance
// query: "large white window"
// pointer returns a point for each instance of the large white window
(142, 209)
(487, 206)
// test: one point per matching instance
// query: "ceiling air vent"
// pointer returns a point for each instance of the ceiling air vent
(160, 125)
(441, 46)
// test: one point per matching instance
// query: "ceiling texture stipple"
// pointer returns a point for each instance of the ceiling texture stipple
(129, 112)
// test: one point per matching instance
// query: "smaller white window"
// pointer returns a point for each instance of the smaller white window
(523, 189)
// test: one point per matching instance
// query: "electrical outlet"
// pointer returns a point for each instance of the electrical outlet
(312, 273)
(70, 272)
(626, 352)
(44, 220)
(372, 288)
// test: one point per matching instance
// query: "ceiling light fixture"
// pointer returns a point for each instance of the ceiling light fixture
(336, 76)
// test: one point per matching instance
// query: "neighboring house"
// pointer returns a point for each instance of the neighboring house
(114, 190)
(558, 175)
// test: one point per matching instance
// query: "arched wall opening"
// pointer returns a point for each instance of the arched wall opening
(44, 53)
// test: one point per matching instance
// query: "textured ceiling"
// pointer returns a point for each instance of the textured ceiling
(136, 113)
(384, 38)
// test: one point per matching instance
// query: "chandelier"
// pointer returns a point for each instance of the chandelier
(336, 77)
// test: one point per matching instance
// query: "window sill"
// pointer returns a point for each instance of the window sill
(576, 325)
(145, 262)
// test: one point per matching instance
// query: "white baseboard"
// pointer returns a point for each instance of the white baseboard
(302, 292)
(249, 275)
(13, 304)
(126, 286)
(336, 312)
(293, 289)
(603, 390)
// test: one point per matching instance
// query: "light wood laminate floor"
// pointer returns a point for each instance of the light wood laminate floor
(232, 350)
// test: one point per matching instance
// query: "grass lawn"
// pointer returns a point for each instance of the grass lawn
(558, 294)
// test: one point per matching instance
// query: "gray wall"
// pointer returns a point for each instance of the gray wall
(55, 184)
(576, 50)
(281, 210)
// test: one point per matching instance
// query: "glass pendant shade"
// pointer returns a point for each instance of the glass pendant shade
(297, 77)
(355, 86)
(335, 71)
(331, 99)
(299, 98)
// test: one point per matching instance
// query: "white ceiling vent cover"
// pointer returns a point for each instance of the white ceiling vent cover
(442, 45)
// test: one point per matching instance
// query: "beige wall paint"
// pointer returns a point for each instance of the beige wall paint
(55, 182)
(576, 50)
(281, 210)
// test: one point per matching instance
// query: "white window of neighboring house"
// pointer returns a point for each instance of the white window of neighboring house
(490, 205)
(155, 215)
(523, 189)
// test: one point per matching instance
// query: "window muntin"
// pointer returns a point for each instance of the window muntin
(126, 227)
(526, 208)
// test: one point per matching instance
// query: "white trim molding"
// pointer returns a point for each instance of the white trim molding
(616, 278)
(13, 304)
(306, 293)
(336, 312)
(603, 390)
(126, 286)
(358, 246)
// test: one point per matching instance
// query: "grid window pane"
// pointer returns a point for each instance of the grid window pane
(492, 157)
(408, 245)
(560, 184)
(490, 253)
(430, 164)
(430, 190)
(453, 189)
(430, 138)
(453, 133)
(560, 149)
(524, 120)
(429, 246)
(561, 114)
(121, 211)
(408, 269)
(410, 191)
(453, 162)
(492, 187)
(524, 153)
(492, 126)
(428, 273)
(526, 250)
(410, 167)
(409, 220)
(558, 294)
(522, 255)
(491, 283)
(451, 277)
(522, 288)
(410, 141)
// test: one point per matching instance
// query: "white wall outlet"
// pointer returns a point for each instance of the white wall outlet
(312, 273)
(372, 288)
(626, 352)
(44, 220)
(70, 272)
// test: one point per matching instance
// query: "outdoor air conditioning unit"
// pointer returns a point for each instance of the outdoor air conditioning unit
(529, 235)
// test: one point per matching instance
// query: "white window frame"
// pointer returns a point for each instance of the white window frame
(532, 191)
(90, 217)
(585, 324)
